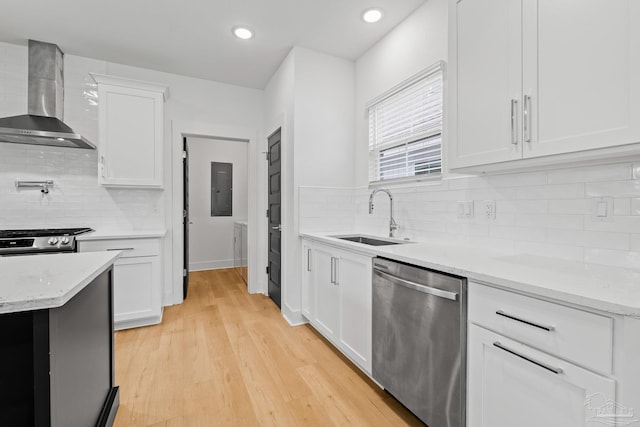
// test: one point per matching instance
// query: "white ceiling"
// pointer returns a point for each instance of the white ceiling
(193, 37)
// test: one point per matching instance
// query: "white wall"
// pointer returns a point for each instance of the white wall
(211, 243)
(77, 198)
(312, 97)
(415, 44)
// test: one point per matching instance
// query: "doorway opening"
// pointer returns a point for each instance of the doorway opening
(216, 200)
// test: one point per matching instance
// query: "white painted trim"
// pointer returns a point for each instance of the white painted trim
(175, 238)
(211, 265)
(130, 83)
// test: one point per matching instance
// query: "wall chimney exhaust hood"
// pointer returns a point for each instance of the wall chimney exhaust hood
(43, 125)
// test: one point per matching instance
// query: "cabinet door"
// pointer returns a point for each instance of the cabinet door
(582, 72)
(354, 282)
(136, 291)
(325, 316)
(307, 279)
(486, 82)
(505, 389)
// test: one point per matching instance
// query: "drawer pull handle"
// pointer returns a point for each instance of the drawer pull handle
(527, 322)
(528, 359)
(120, 249)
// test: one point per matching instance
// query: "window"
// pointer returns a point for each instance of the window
(405, 129)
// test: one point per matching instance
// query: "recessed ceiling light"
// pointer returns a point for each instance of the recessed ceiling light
(372, 15)
(242, 33)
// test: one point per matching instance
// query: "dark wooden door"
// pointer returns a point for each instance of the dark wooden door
(275, 234)
(185, 218)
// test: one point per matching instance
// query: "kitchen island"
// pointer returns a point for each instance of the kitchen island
(56, 340)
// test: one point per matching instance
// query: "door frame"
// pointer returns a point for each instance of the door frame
(174, 204)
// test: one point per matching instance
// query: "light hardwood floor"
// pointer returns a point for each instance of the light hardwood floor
(227, 358)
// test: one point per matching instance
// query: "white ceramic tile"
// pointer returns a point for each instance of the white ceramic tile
(522, 206)
(622, 207)
(618, 224)
(571, 206)
(568, 222)
(529, 234)
(635, 206)
(519, 179)
(630, 188)
(615, 172)
(635, 243)
(563, 191)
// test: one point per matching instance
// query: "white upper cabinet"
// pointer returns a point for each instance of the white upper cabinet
(489, 82)
(533, 78)
(130, 129)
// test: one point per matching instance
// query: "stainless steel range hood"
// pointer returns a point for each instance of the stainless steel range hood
(43, 125)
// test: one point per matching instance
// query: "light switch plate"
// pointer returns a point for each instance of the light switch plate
(602, 209)
(465, 209)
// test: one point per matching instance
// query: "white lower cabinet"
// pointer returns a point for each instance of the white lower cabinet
(511, 384)
(520, 362)
(136, 280)
(336, 298)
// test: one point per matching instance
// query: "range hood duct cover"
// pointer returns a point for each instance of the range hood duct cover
(43, 125)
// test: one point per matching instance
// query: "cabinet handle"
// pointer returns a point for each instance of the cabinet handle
(337, 276)
(526, 124)
(308, 259)
(333, 270)
(103, 166)
(514, 121)
(527, 322)
(528, 359)
(120, 249)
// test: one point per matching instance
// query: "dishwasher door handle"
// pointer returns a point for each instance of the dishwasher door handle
(418, 287)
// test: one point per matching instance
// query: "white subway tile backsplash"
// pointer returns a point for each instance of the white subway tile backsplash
(563, 191)
(571, 206)
(529, 234)
(615, 172)
(545, 213)
(519, 180)
(568, 222)
(621, 207)
(635, 206)
(629, 188)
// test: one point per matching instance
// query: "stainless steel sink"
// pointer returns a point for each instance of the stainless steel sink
(371, 241)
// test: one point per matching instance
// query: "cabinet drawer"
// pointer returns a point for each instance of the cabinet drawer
(579, 336)
(130, 247)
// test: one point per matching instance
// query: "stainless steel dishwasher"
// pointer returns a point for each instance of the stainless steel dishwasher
(419, 340)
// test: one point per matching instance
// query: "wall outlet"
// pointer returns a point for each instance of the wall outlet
(489, 209)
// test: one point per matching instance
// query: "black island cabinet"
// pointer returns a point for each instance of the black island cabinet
(57, 365)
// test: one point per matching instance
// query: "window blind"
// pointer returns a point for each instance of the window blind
(405, 129)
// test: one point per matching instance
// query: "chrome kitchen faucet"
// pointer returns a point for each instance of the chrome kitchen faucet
(392, 222)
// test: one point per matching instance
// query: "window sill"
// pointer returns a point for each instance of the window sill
(433, 179)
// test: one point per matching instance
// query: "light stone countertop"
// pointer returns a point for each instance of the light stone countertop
(610, 289)
(34, 282)
(121, 234)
